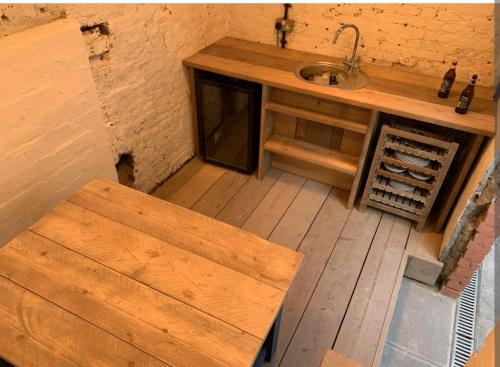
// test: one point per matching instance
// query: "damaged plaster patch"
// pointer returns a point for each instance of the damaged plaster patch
(97, 38)
(125, 169)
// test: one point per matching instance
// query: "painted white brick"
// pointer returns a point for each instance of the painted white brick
(52, 139)
(143, 89)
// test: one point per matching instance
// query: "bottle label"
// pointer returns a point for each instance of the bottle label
(463, 103)
(445, 85)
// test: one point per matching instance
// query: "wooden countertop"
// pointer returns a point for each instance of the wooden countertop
(390, 90)
(115, 277)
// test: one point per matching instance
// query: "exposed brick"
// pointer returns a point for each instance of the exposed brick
(142, 86)
(450, 292)
(457, 286)
(137, 68)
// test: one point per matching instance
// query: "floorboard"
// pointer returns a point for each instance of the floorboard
(242, 205)
(323, 316)
(194, 186)
(272, 207)
(212, 202)
(316, 247)
(345, 284)
(296, 221)
(179, 179)
(359, 335)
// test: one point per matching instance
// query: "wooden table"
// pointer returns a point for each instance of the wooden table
(114, 277)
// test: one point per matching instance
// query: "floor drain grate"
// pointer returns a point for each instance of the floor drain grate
(465, 324)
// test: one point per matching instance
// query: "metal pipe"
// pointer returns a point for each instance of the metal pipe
(352, 63)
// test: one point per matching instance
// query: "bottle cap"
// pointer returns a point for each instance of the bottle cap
(474, 76)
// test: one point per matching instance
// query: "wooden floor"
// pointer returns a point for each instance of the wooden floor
(343, 290)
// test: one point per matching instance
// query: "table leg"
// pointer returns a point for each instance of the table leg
(266, 353)
(4, 363)
(272, 338)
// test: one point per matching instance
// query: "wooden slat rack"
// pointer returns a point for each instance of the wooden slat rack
(415, 204)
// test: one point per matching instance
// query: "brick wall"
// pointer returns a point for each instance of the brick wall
(137, 68)
(472, 256)
(143, 88)
(52, 138)
(424, 38)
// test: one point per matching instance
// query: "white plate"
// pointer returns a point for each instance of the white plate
(394, 169)
(421, 162)
(401, 186)
(419, 176)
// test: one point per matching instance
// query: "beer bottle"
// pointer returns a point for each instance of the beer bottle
(466, 97)
(448, 80)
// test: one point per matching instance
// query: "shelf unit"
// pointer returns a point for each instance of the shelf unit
(311, 153)
(415, 204)
(339, 164)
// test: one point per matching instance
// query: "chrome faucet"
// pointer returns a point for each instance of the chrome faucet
(352, 64)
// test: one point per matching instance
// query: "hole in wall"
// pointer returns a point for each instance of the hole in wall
(125, 169)
(102, 28)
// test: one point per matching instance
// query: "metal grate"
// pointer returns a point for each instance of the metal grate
(465, 324)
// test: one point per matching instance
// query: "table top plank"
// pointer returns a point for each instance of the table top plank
(157, 324)
(219, 242)
(221, 292)
(35, 332)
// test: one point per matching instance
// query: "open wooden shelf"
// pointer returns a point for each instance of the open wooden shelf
(317, 117)
(311, 153)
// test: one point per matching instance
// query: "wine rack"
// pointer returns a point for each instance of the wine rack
(407, 171)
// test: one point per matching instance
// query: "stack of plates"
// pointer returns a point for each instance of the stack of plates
(405, 157)
(419, 176)
(394, 169)
(401, 186)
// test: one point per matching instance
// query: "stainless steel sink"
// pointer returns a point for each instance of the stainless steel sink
(342, 78)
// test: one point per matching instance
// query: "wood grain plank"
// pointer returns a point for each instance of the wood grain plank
(159, 325)
(423, 252)
(197, 185)
(470, 153)
(179, 179)
(317, 117)
(40, 333)
(312, 171)
(311, 153)
(333, 358)
(359, 335)
(316, 248)
(241, 206)
(212, 239)
(401, 93)
(212, 202)
(180, 274)
(372, 124)
(295, 223)
(323, 317)
(270, 210)
(377, 359)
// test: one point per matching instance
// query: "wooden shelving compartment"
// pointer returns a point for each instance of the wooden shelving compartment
(324, 140)
(318, 117)
(312, 153)
(399, 192)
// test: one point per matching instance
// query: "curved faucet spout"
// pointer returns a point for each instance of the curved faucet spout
(352, 64)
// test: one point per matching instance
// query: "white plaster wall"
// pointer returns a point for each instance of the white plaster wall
(140, 80)
(52, 134)
(424, 38)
